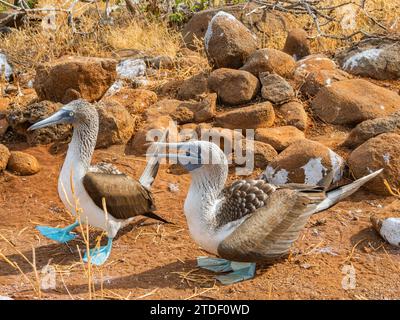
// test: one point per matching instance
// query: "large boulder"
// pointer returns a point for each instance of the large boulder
(23, 164)
(275, 88)
(200, 111)
(270, 60)
(4, 156)
(318, 79)
(293, 114)
(141, 139)
(165, 107)
(233, 87)
(376, 153)
(70, 78)
(196, 28)
(20, 118)
(251, 117)
(280, 137)
(373, 58)
(297, 44)
(228, 43)
(193, 87)
(225, 138)
(260, 22)
(371, 128)
(306, 162)
(263, 154)
(136, 101)
(312, 63)
(170, 88)
(184, 111)
(353, 101)
(116, 124)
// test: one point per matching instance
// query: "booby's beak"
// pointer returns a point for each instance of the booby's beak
(61, 116)
(178, 153)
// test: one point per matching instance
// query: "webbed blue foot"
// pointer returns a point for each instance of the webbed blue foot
(240, 271)
(99, 255)
(61, 235)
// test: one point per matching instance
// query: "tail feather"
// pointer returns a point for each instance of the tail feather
(151, 170)
(154, 216)
(338, 194)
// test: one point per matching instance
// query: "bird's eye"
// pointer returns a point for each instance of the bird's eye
(187, 153)
(71, 114)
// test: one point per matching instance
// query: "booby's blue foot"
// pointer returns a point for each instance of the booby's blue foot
(241, 271)
(61, 235)
(99, 255)
(214, 264)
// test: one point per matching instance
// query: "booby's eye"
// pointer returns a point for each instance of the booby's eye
(187, 153)
(71, 114)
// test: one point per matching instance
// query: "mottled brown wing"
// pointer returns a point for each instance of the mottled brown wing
(270, 231)
(241, 198)
(125, 197)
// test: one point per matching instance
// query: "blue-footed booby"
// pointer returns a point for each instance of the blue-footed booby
(125, 197)
(249, 221)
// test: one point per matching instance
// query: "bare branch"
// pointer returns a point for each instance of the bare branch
(321, 15)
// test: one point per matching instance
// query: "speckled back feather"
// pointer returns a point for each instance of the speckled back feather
(268, 233)
(243, 197)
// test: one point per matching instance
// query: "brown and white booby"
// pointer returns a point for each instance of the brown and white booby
(250, 220)
(125, 197)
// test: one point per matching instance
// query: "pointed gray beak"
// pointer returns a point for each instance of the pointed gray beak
(175, 158)
(61, 116)
(177, 153)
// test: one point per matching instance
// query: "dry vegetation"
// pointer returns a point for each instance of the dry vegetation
(31, 45)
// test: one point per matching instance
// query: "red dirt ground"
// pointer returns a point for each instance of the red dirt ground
(151, 261)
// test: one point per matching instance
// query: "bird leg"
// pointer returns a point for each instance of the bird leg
(238, 271)
(99, 255)
(61, 235)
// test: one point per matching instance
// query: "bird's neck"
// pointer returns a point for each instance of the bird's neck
(81, 148)
(202, 203)
(205, 193)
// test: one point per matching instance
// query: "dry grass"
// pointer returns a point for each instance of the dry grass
(35, 282)
(351, 18)
(152, 37)
(32, 45)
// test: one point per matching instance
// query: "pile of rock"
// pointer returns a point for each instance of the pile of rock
(247, 87)
(18, 162)
(372, 58)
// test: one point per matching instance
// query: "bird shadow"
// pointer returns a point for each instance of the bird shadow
(165, 276)
(58, 253)
(55, 253)
(171, 275)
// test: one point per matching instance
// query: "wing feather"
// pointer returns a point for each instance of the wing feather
(125, 197)
(270, 231)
